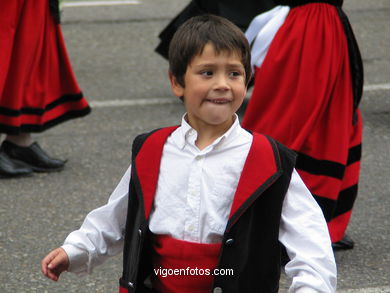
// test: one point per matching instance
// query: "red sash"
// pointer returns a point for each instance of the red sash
(182, 266)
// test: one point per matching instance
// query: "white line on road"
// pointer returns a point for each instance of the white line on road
(376, 87)
(385, 289)
(99, 3)
(173, 100)
(137, 102)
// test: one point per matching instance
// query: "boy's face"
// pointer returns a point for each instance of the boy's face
(214, 88)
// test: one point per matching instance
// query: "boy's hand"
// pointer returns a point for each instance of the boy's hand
(53, 264)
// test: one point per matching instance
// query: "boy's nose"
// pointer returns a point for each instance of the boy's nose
(221, 83)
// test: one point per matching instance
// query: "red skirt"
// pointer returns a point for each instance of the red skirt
(303, 97)
(37, 86)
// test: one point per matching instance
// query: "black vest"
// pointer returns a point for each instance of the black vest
(250, 249)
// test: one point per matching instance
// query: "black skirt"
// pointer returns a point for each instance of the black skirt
(240, 13)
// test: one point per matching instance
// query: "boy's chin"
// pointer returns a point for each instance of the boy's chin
(219, 120)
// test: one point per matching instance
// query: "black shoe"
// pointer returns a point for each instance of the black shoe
(32, 156)
(9, 168)
(343, 244)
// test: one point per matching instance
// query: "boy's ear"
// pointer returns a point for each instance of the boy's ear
(177, 89)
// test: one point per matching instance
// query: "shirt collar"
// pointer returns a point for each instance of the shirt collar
(186, 134)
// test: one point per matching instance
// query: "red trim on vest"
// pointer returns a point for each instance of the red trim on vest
(147, 163)
(123, 290)
(259, 166)
(194, 264)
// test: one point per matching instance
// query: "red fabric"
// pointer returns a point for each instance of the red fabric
(296, 87)
(123, 290)
(260, 165)
(147, 164)
(338, 225)
(35, 69)
(194, 259)
(324, 186)
(302, 94)
(351, 175)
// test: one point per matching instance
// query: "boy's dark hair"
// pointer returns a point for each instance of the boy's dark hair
(191, 37)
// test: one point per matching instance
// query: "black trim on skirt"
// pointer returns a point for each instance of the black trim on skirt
(355, 63)
(28, 128)
(55, 10)
(320, 167)
(334, 208)
(40, 111)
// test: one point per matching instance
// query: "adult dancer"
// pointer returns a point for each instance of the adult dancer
(37, 86)
(308, 84)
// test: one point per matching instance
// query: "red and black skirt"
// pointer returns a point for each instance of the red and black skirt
(303, 96)
(38, 88)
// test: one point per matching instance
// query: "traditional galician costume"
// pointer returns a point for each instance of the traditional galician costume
(38, 89)
(215, 219)
(307, 88)
(37, 86)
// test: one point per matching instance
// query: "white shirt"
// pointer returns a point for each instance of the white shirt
(193, 199)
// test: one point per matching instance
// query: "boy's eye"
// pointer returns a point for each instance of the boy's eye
(235, 73)
(207, 73)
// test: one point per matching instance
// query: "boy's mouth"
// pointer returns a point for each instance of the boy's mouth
(219, 101)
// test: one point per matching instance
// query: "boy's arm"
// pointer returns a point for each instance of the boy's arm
(305, 235)
(101, 234)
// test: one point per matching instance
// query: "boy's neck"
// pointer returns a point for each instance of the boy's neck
(207, 134)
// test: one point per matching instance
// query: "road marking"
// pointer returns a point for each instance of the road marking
(377, 87)
(99, 3)
(173, 100)
(385, 289)
(137, 102)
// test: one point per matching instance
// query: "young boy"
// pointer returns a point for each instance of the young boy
(209, 204)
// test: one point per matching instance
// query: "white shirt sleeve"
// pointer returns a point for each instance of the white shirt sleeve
(101, 234)
(304, 233)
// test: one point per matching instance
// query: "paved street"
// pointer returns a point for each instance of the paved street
(112, 51)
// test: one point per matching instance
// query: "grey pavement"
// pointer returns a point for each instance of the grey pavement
(112, 51)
